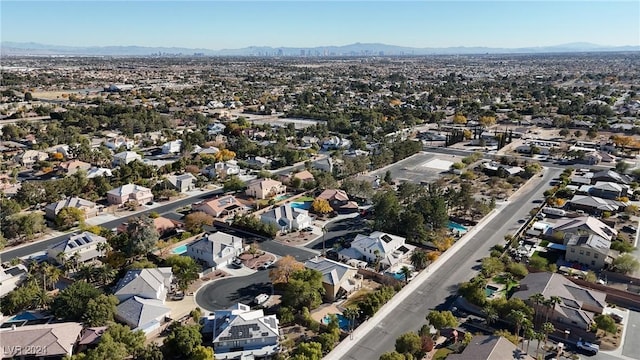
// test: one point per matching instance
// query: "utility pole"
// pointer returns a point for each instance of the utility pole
(324, 232)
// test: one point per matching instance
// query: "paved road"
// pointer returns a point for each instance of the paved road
(222, 294)
(440, 289)
(43, 245)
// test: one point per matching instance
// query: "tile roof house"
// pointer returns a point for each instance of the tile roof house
(143, 314)
(339, 200)
(578, 305)
(608, 190)
(125, 157)
(73, 166)
(389, 249)
(222, 206)
(490, 347)
(129, 192)
(182, 183)
(11, 277)
(338, 279)
(147, 283)
(215, 249)
(89, 207)
(30, 157)
(265, 188)
(585, 225)
(590, 250)
(94, 172)
(595, 205)
(287, 218)
(40, 341)
(239, 332)
(90, 337)
(84, 244)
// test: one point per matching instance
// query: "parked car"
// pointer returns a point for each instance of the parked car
(237, 263)
(266, 265)
(177, 296)
(629, 229)
(588, 347)
(308, 228)
(261, 299)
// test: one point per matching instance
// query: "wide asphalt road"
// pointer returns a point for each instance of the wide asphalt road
(165, 208)
(440, 288)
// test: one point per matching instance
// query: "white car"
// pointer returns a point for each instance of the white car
(588, 347)
(261, 299)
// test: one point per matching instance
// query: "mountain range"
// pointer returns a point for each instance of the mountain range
(8, 48)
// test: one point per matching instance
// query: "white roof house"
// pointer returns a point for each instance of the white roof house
(84, 244)
(172, 147)
(287, 218)
(240, 332)
(183, 182)
(215, 249)
(94, 172)
(585, 224)
(147, 283)
(389, 249)
(11, 277)
(125, 157)
(141, 313)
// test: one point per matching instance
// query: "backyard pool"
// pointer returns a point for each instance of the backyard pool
(282, 197)
(489, 290)
(180, 249)
(24, 316)
(343, 322)
(301, 205)
(455, 226)
(398, 275)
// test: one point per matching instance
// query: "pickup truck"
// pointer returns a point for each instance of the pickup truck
(588, 347)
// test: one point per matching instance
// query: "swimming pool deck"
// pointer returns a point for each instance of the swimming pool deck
(324, 310)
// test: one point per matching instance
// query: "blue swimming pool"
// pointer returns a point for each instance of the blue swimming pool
(343, 322)
(301, 205)
(180, 250)
(455, 226)
(24, 316)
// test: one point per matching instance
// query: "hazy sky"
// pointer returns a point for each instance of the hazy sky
(226, 24)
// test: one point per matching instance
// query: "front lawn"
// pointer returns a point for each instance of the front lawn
(441, 354)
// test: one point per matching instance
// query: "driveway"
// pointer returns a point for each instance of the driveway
(224, 293)
(343, 229)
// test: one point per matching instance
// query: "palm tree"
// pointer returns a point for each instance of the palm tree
(490, 313)
(537, 299)
(104, 248)
(53, 275)
(529, 334)
(538, 336)
(376, 252)
(406, 272)
(518, 317)
(85, 272)
(547, 328)
(526, 328)
(42, 300)
(351, 313)
(551, 306)
(106, 274)
(419, 259)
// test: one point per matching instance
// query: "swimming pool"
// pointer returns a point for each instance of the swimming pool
(180, 249)
(282, 197)
(343, 322)
(398, 276)
(455, 226)
(489, 290)
(24, 316)
(301, 205)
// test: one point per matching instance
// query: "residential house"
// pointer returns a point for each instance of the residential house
(378, 246)
(287, 218)
(30, 157)
(339, 200)
(115, 143)
(90, 337)
(325, 165)
(172, 147)
(125, 157)
(222, 169)
(490, 347)
(335, 143)
(73, 166)
(129, 192)
(89, 208)
(578, 305)
(258, 162)
(611, 176)
(85, 245)
(492, 168)
(595, 205)
(215, 249)
(142, 314)
(304, 176)
(182, 183)
(223, 206)
(152, 283)
(11, 278)
(216, 128)
(46, 341)
(265, 188)
(239, 332)
(583, 225)
(609, 190)
(338, 279)
(211, 150)
(165, 225)
(590, 250)
(62, 149)
(95, 172)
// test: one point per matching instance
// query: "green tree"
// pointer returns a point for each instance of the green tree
(386, 211)
(605, 322)
(182, 340)
(71, 304)
(387, 177)
(202, 353)
(68, 217)
(195, 221)
(392, 355)
(308, 351)
(100, 311)
(184, 268)
(151, 352)
(518, 318)
(234, 184)
(625, 264)
(321, 206)
(492, 266)
(547, 328)
(419, 259)
(304, 289)
(142, 236)
(442, 319)
(409, 343)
